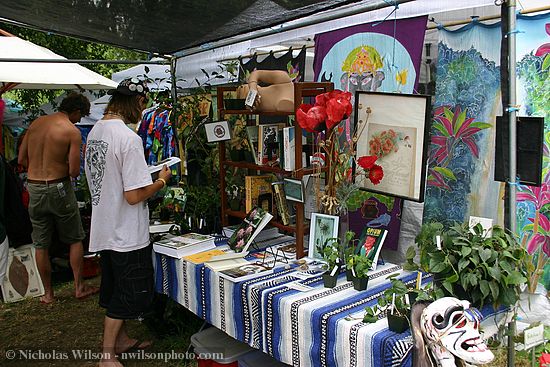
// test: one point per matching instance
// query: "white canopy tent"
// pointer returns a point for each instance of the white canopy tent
(41, 75)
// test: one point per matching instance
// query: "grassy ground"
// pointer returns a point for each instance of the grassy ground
(30, 328)
(77, 325)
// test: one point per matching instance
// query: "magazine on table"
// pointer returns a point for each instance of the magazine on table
(370, 244)
(250, 227)
(245, 271)
(184, 245)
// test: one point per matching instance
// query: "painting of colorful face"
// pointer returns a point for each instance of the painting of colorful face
(371, 64)
(451, 328)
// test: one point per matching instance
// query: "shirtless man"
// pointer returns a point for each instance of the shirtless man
(51, 152)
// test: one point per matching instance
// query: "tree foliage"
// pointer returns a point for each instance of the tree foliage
(71, 48)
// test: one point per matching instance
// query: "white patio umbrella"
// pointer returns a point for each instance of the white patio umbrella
(39, 75)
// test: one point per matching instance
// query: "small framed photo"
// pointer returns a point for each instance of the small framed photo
(294, 189)
(217, 131)
(322, 228)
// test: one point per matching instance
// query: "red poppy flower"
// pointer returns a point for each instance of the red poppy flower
(338, 108)
(311, 118)
(321, 99)
(376, 174)
(367, 161)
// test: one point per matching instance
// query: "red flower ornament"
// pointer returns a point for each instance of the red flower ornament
(311, 118)
(367, 162)
(376, 174)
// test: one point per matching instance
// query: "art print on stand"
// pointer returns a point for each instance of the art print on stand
(323, 227)
(396, 132)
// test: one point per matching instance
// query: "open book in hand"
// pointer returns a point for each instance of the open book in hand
(155, 167)
(251, 225)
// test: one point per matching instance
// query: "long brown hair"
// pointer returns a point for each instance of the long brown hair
(128, 107)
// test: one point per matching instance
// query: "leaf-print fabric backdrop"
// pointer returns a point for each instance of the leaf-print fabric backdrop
(461, 155)
(533, 91)
(460, 181)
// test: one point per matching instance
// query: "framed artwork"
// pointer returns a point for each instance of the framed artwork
(322, 228)
(294, 189)
(396, 131)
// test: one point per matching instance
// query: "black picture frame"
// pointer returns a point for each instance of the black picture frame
(408, 115)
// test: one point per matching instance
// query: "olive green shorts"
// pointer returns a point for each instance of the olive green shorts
(53, 207)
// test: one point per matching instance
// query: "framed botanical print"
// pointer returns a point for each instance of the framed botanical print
(394, 127)
(322, 228)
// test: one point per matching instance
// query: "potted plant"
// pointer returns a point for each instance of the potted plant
(484, 267)
(359, 265)
(393, 304)
(331, 255)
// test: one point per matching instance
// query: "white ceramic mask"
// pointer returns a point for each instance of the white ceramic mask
(452, 324)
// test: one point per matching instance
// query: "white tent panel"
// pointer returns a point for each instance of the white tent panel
(30, 75)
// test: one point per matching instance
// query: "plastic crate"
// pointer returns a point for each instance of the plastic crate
(213, 340)
(257, 358)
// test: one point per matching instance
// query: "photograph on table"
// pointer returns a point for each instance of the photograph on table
(393, 127)
(294, 189)
(322, 228)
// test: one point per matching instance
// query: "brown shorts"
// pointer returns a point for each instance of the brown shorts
(52, 207)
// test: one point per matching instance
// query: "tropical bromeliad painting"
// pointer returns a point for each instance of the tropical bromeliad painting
(460, 180)
(533, 90)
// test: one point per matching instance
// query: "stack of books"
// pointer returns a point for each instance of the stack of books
(184, 245)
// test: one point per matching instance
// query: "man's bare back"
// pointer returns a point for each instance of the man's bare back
(51, 148)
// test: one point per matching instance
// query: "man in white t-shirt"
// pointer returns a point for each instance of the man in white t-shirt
(120, 185)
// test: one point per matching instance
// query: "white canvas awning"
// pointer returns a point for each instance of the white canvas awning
(40, 75)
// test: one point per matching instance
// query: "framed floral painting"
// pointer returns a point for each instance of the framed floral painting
(394, 128)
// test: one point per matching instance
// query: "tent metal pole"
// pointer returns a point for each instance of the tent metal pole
(353, 10)
(84, 61)
(512, 108)
(174, 95)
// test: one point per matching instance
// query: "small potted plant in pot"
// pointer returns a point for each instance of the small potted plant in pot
(331, 256)
(360, 266)
(393, 304)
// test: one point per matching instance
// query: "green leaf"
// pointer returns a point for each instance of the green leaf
(438, 268)
(481, 125)
(546, 62)
(369, 319)
(466, 251)
(494, 271)
(463, 263)
(494, 290)
(453, 278)
(445, 172)
(484, 286)
(448, 286)
(516, 278)
(411, 253)
(485, 254)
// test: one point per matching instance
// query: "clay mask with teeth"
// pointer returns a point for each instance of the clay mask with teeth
(452, 325)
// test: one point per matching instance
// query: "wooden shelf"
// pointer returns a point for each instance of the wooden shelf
(287, 228)
(275, 169)
(301, 90)
(248, 112)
